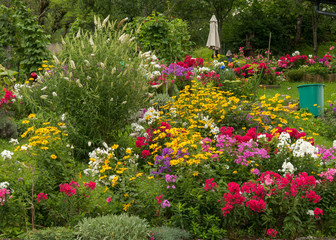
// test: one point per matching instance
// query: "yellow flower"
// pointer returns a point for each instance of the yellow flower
(106, 189)
(128, 151)
(139, 175)
(234, 172)
(126, 206)
(126, 195)
(195, 173)
(40, 69)
(31, 79)
(53, 156)
(61, 124)
(115, 146)
(151, 177)
(131, 179)
(25, 122)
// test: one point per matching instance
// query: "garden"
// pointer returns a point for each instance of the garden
(109, 140)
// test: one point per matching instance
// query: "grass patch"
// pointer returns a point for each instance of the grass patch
(290, 88)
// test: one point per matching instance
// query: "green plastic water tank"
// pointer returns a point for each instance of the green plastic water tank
(312, 98)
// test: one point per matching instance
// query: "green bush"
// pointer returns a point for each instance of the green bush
(204, 53)
(295, 75)
(116, 227)
(317, 69)
(169, 233)
(58, 233)
(8, 128)
(161, 99)
(168, 37)
(98, 84)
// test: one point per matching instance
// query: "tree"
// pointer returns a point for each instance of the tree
(20, 32)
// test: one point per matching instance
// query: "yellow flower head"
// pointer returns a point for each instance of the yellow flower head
(53, 156)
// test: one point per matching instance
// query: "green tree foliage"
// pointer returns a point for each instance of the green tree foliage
(20, 32)
(168, 37)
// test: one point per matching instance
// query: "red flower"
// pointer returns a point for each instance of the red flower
(271, 233)
(158, 199)
(317, 212)
(41, 196)
(210, 184)
(146, 153)
(91, 185)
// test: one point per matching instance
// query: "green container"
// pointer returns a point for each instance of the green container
(312, 98)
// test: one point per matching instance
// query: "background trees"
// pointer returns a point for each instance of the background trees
(246, 23)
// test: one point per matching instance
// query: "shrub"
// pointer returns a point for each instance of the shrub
(169, 233)
(98, 89)
(318, 70)
(113, 227)
(161, 99)
(169, 38)
(58, 233)
(204, 53)
(295, 75)
(8, 128)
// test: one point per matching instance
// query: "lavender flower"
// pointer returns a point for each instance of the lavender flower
(165, 203)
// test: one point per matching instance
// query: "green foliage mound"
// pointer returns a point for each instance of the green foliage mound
(169, 233)
(295, 75)
(168, 37)
(58, 233)
(116, 227)
(97, 85)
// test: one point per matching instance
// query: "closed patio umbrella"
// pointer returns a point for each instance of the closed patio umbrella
(213, 39)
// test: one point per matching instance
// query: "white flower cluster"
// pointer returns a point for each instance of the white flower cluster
(215, 63)
(262, 138)
(17, 89)
(25, 147)
(302, 148)
(97, 158)
(287, 167)
(154, 74)
(209, 123)
(4, 185)
(14, 141)
(284, 141)
(202, 69)
(310, 212)
(150, 116)
(137, 128)
(296, 53)
(334, 143)
(5, 154)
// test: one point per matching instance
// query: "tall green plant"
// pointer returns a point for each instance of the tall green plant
(20, 32)
(98, 84)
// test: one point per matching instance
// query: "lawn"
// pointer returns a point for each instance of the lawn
(290, 88)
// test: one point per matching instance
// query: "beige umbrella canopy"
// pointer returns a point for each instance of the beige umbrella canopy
(213, 39)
